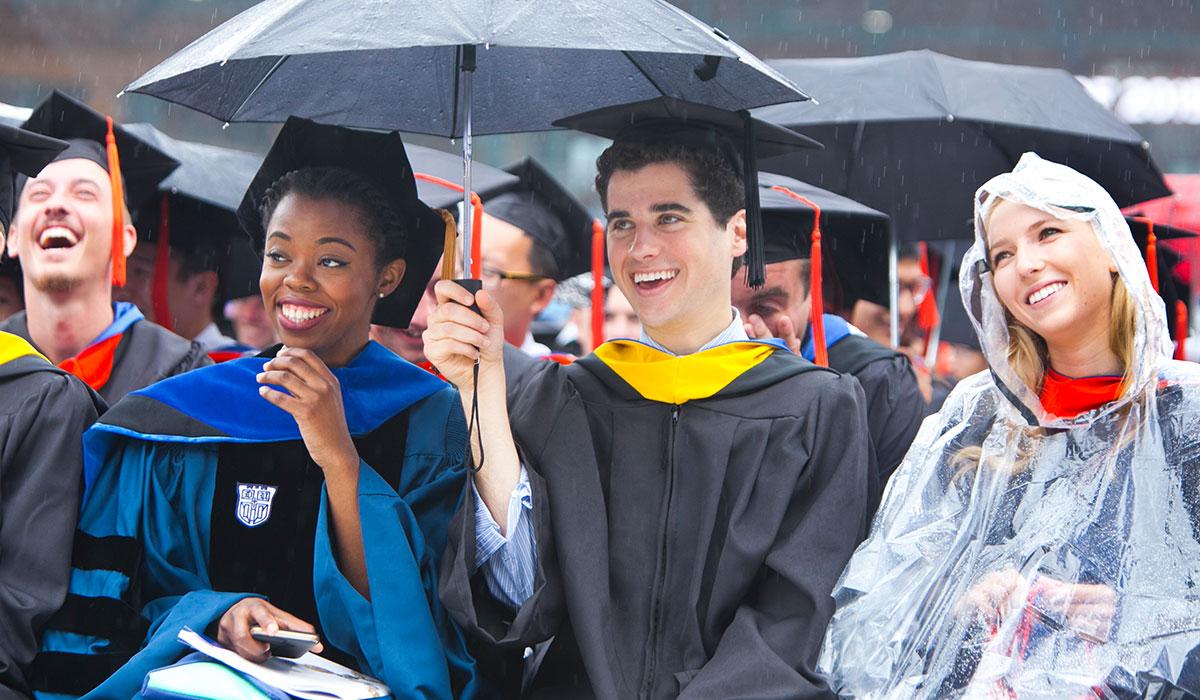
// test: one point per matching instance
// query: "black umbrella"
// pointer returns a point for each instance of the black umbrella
(413, 65)
(197, 212)
(914, 134)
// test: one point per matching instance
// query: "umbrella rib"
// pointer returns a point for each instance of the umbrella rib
(645, 74)
(263, 80)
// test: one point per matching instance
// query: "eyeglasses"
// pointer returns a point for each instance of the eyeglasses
(918, 288)
(492, 276)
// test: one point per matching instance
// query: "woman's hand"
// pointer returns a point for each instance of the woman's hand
(757, 329)
(234, 629)
(1087, 608)
(456, 336)
(990, 598)
(314, 399)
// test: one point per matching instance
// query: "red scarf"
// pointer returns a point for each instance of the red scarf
(1067, 397)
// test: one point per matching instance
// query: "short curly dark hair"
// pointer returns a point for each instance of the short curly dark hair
(713, 177)
(379, 218)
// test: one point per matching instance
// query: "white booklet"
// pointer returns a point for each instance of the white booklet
(309, 677)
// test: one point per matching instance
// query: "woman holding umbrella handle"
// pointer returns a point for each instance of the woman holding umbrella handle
(1040, 536)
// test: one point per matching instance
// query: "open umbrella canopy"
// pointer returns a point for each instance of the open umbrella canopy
(914, 134)
(395, 64)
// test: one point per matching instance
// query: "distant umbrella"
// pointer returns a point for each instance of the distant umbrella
(914, 134)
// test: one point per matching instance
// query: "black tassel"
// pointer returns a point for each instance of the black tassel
(755, 254)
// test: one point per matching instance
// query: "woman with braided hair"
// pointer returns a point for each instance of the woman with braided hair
(1040, 539)
(307, 489)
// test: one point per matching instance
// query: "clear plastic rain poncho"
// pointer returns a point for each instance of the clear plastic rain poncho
(1022, 555)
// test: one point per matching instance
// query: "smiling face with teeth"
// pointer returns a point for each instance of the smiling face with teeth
(63, 230)
(1052, 275)
(670, 257)
(320, 278)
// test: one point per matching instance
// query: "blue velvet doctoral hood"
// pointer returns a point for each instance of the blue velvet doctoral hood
(221, 403)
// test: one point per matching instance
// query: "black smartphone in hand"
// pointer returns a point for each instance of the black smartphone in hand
(286, 644)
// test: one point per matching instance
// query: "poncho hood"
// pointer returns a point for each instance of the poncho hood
(1067, 195)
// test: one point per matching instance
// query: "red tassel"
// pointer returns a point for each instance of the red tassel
(160, 294)
(118, 203)
(597, 283)
(1151, 251)
(476, 220)
(817, 309)
(1181, 329)
(927, 312)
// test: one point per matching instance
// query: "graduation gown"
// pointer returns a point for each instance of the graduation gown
(43, 413)
(691, 516)
(132, 353)
(200, 493)
(895, 407)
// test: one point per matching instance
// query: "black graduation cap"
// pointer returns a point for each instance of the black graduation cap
(740, 138)
(1174, 291)
(200, 213)
(855, 236)
(142, 164)
(380, 158)
(548, 214)
(21, 152)
(135, 166)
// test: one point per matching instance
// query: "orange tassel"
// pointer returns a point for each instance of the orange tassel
(927, 313)
(1181, 329)
(597, 283)
(1151, 251)
(118, 202)
(476, 222)
(817, 310)
(162, 266)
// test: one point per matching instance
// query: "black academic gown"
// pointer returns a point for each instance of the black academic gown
(685, 548)
(43, 413)
(895, 407)
(147, 353)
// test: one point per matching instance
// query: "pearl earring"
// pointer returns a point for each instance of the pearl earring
(381, 295)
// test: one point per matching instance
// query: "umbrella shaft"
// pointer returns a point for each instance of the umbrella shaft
(894, 287)
(468, 94)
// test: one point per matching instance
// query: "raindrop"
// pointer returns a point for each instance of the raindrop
(877, 21)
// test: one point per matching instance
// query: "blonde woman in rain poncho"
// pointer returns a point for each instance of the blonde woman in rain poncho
(1040, 539)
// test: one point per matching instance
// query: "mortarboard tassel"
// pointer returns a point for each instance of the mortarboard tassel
(448, 244)
(927, 312)
(1151, 252)
(597, 283)
(118, 197)
(1181, 329)
(816, 281)
(755, 253)
(476, 225)
(160, 294)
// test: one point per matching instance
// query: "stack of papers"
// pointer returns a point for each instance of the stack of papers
(309, 677)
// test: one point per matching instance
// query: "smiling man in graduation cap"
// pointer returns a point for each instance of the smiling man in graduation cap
(306, 489)
(783, 307)
(72, 233)
(533, 237)
(43, 413)
(673, 512)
